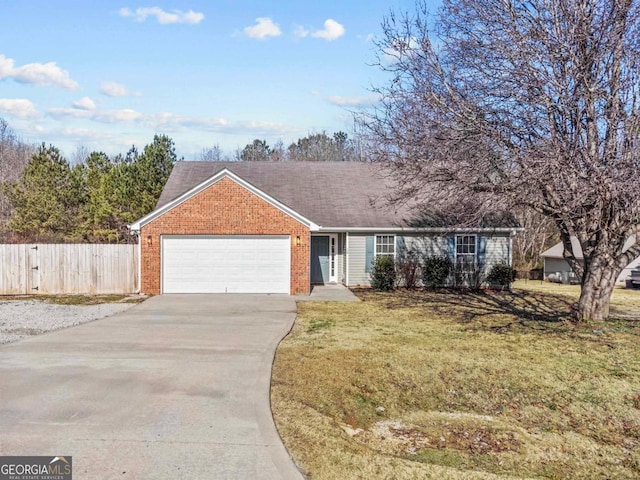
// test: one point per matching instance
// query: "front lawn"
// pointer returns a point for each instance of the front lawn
(461, 386)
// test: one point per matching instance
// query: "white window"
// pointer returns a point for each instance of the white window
(386, 245)
(465, 248)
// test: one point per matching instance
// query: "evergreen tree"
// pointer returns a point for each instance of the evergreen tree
(46, 198)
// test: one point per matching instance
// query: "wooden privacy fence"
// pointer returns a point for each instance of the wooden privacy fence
(68, 268)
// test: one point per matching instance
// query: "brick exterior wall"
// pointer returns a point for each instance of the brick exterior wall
(225, 208)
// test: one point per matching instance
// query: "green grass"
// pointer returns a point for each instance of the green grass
(461, 385)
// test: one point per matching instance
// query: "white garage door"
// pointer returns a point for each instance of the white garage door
(226, 264)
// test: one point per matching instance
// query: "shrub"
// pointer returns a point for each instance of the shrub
(383, 274)
(407, 268)
(435, 270)
(501, 274)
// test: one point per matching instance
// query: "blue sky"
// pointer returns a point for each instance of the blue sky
(107, 75)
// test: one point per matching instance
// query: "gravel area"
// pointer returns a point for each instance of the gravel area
(25, 318)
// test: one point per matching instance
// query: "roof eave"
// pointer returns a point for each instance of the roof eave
(422, 229)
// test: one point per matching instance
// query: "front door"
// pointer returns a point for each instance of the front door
(320, 260)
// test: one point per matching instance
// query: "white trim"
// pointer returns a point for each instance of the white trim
(399, 230)
(329, 237)
(375, 244)
(225, 173)
(475, 246)
(346, 258)
(161, 237)
(140, 264)
(333, 256)
(511, 253)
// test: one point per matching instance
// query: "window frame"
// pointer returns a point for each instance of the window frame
(460, 256)
(392, 236)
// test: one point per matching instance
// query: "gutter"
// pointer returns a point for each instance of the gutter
(420, 229)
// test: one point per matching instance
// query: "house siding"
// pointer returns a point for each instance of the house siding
(553, 265)
(497, 251)
(224, 208)
(358, 276)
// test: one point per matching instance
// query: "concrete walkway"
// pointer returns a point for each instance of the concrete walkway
(176, 387)
(328, 293)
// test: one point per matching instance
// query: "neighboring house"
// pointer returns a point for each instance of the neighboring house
(262, 227)
(557, 267)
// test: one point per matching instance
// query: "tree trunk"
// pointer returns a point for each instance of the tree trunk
(595, 295)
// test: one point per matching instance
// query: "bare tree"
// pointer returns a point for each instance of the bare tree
(540, 234)
(256, 151)
(319, 147)
(278, 153)
(14, 155)
(213, 154)
(505, 104)
(80, 155)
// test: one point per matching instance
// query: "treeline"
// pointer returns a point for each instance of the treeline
(91, 201)
(317, 147)
(46, 198)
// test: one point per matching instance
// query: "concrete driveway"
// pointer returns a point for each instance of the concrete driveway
(176, 387)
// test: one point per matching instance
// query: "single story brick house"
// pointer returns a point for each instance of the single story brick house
(272, 227)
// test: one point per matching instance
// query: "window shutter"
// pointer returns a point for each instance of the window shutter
(369, 253)
(451, 247)
(482, 249)
(400, 245)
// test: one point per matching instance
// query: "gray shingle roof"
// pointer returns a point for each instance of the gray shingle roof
(330, 194)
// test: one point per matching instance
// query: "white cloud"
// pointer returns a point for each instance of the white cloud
(332, 30)
(18, 107)
(6, 66)
(85, 103)
(263, 28)
(36, 73)
(114, 89)
(167, 122)
(300, 32)
(361, 101)
(163, 17)
(126, 115)
(170, 122)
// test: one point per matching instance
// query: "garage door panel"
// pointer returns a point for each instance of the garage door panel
(226, 264)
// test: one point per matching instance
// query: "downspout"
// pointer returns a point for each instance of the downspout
(511, 249)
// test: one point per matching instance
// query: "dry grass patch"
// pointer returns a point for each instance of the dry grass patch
(78, 299)
(460, 385)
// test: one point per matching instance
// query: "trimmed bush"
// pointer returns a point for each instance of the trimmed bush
(435, 270)
(501, 274)
(383, 274)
